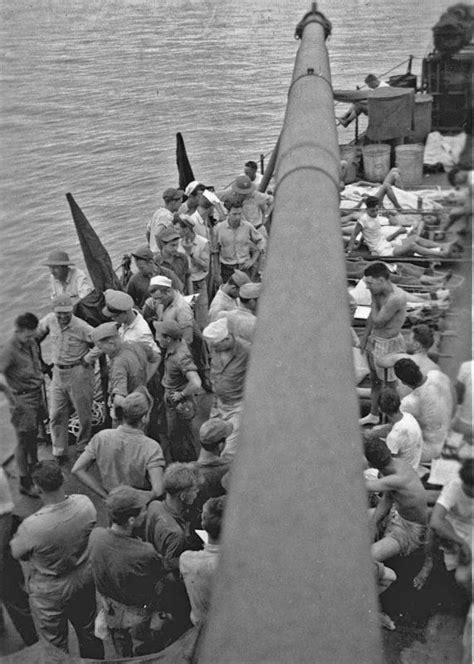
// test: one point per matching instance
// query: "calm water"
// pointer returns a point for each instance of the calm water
(93, 93)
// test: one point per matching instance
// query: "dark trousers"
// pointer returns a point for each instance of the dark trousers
(181, 436)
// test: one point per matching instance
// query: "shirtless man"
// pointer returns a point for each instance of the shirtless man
(383, 331)
(403, 502)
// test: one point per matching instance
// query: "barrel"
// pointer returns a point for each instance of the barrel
(348, 154)
(421, 119)
(376, 160)
(409, 161)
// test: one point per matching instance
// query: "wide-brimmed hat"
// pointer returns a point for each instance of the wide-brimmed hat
(58, 257)
(243, 185)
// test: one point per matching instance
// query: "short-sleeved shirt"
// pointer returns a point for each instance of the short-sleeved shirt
(373, 237)
(139, 284)
(20, 363)
(465, 377)
(54, 539)
(431, 404)
(124, 568)
(221, 302)
(235, 244)
(459, 507)
(178, 310)
(128, 368)
(198, 569)
(242, 322)
(405, 440)
(169, 533)
(178, 362)
(76, 285)
(228, 372)
(162, 219)
(200, 250)
(138, 330)
(124, 456)
(69, 344)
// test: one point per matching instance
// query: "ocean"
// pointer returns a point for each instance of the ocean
(94, 91)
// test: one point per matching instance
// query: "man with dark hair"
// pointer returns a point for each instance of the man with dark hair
(383, 330)
(73, 375)
(251, 171)
(126, 573)
(173, 259)
(370, 223)
(372, 82)
(403, 433)
(239, 243)
(54, 541)
(196, 248)
(430, 402)
(226, 297)
(163, 217)
(403, 503)
(21, 379)
(166, 304)
(181, 382)
(65, 279)
(198, 568)
(139, 282)
(124, 455)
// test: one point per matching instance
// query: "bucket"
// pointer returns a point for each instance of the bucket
(376, 160)
(348, 153)
(409, 161)
(421, 119)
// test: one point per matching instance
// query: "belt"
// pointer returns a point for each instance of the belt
(20, 393)
(69, 366)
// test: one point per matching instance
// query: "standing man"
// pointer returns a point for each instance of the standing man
(21, 379)
(242, 321)
(210, 465)
(196, 248)
(382, 334)
(254, 203)
(226, 297)
(73, 376)
(251, 171)
(181, 382)
(132, 325)
(239, 243)
(132, 364)
(163, 217)
(54, 541)
(167, 304)
(65, 279)
(139, 283)
(229, 361)
(173, 259)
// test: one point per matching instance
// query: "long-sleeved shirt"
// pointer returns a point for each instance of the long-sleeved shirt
(169, 532)
(76, 285)
(69, 344)
(20, 364)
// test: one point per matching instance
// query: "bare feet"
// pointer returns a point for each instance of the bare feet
(422, 577)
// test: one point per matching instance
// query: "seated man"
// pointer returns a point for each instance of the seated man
(430, 402)
(126, 572)
(370, 223)
(403, 433)
(124, 455)
(402, 513)
(373, 82)
(199, 567)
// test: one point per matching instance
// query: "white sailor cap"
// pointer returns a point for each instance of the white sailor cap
(216, 331)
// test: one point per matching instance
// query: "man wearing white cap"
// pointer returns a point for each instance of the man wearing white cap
(124, 455)
(66, 279)
(197, 250)
(139, 282)
(226, 297)
(229, 360)
(163, 217)
(166, 304)
(73, 376)
(132, 364)
(193, 192)
(242, 321)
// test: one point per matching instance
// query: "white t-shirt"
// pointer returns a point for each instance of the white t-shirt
(465, 377)
(373, 236)
(160, 220)
(405, 440)
(431, 404)
(459, 507)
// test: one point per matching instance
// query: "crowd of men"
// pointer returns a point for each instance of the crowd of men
(182, 329)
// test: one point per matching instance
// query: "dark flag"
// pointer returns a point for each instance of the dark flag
(185, 171)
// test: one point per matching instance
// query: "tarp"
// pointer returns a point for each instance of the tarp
(390, 113)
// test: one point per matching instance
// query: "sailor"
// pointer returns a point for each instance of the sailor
(163, 217)
(139, 282)
(66, 279)
(167, 304)
(251, 171)
(132, 325)
(73, 375)
(132, 364)
(172, 259)
(239, 243)
(226, 297)
(242, 321)
(21, 379)
(193, 192)
(196, 248)
(254, 203)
